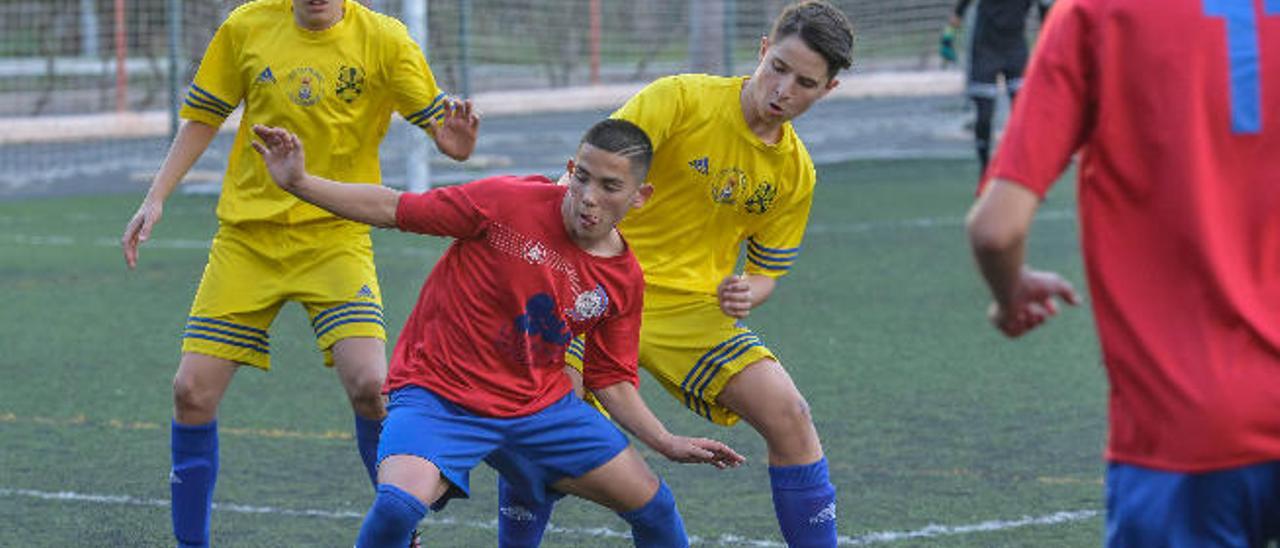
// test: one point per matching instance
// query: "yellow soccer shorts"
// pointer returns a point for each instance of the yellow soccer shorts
(254, 268)
(692, 348)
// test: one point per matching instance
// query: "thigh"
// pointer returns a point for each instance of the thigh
(622, 484)
(1237, 507)
(568, 439)
(238, 298)
(337, 283)
(984, 68)
(423, 425)
(693, 350)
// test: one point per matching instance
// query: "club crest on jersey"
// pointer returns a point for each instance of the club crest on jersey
(701, 165)
(762, 199)
(589, 305)
(350, 83)
(728, 185)
(265, 77)
(305, 86)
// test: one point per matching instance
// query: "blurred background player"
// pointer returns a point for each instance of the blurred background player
(998, 48)
(1179, 144)
(478, 372)
(729, 170)
(333, 71)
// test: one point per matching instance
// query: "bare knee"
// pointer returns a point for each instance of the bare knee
(365, 393)
(193, 403)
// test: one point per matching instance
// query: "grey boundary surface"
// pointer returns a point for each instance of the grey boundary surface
(870, 116)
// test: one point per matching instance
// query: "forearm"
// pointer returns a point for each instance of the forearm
(998, 227)
(1000, 268)
(190, 142)
(370, 204)
(628, 409)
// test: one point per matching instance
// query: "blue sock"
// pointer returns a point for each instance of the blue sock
(367, 432)
(805, 502)
(521, 521)
(191, 480)
(391, 519)
(657, 524)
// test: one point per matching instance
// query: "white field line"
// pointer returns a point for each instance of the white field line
(930, 531)
(1052, 215)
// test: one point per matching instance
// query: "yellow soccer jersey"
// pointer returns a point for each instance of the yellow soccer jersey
(716, 184)
(335, 88)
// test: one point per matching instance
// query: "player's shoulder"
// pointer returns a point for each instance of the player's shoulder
(382, 24)
(258, 12)
(695, 85)
(515, 189)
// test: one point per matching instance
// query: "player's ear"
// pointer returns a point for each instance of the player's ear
(764, 47)
(832, 83)
(642, 195)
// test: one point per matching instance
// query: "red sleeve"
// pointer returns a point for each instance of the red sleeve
(1054, 113)
(613, 346)
(461, 211)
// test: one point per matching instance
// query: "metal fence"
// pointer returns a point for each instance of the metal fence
(83, 56)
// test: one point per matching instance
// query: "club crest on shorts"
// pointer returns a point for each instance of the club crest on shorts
(589, 305)
(305, 86)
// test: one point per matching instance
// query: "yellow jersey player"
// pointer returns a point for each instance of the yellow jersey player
(332, 71)
(729, 171)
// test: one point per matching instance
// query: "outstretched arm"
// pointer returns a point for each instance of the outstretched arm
(998, 226)
(624, 404)
(282, 151)
(190, 142)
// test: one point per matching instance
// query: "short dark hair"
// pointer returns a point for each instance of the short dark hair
(624, 139)
(823, 27)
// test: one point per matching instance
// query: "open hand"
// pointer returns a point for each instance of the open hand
(282, 152)
(138, 230)
(700, 450)
(456, 134)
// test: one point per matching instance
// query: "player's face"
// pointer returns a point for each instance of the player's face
(788, 80)
(317, 14)
(602, 188)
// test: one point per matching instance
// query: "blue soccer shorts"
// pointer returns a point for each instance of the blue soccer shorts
(1237, 507)
(565, 440)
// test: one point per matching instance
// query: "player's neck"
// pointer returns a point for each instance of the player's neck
(767, 130)
(609, 245)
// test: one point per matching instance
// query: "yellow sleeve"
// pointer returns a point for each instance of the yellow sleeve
(218, 86)
(774, 248)
(417, 97)
(656, 108)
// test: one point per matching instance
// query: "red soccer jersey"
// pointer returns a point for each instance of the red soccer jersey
(498, 310)
(1175, 106)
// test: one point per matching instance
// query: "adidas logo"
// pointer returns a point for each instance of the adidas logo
(701, 165)
(364, 292)
(828, 513)
(173, 478)
(265, 77)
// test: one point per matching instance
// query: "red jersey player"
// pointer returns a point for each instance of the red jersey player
(1174, 107)
(478, 371)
